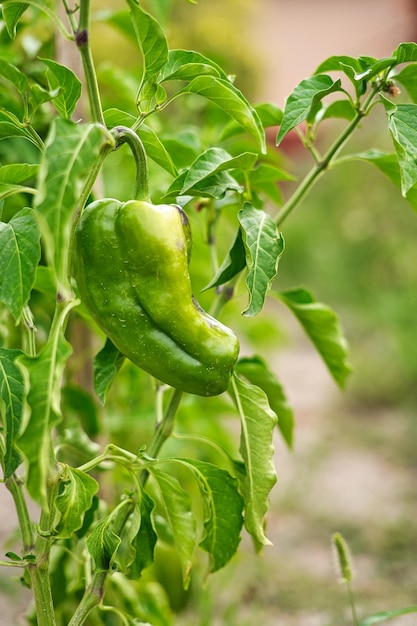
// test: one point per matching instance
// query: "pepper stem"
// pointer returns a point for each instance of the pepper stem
(123, 134)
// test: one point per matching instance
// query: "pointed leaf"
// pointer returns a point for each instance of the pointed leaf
(107, 364)
(407, 77)
(67, 84)
(322, 326)
(234, 262)
(224, 506)
(231, 101)
(71, 152)
(257, 372)
(177, 511)
(10, 129)
(13, 176)
(214, 186)
(12, 12)
(144, 540)
(257, 428)
(151, 39)
(382, 616)
(12, 395)
(44, 373)
(15, 76)
(306, 95)
(402, 124)
(187, 64)
(102, 544)
(264, 246)
(20, 252)
(74, 500)
(406, 52)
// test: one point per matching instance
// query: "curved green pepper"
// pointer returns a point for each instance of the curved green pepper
(132, 273)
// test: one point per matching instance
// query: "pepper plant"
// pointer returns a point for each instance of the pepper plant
(120, 270)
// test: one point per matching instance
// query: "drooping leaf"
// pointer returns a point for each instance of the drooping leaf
(234, 262)
(71, 152)
(144, 540)
(67, 84)
(322, 327)
(12, 395)
(44, 374)
(224, 505)
(258, 423)
(226, 96)
(20, 252)
(257, 372)
(102, 544)
(382, 616)
(305, 96)
(107, 364)
(176, 504)
(402, 125)
(151, 40)
(264, 246)
(12, 12)
(74, 500)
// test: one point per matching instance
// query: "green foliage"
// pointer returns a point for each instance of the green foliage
(152, 468)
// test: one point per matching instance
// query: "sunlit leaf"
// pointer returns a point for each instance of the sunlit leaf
(20, 252)
(264, 246)
(187, 64)
(12, 12)
(322, 326)
(406, 52)
(258, 423)
(402, 125)
(151, 39)
(67, 84)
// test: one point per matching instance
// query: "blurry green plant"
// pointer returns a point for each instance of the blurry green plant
(153, 480)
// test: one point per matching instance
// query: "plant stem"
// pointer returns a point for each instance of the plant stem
(352, 604)
(320, 167)
(82, 39)
(123, 134)
(14, 484)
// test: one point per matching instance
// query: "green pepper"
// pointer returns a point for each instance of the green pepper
(132, 273)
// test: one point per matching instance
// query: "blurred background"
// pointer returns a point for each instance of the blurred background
(353, 467)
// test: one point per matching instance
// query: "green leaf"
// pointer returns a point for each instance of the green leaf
(15, 76)
(257, 372)
(45, 375)
(144, 540)
(151, 39)
(375, 68)
(107, 364)
(376, 618)
(257, 428)
(339, 63)
(322, 327)
(67, 84)
(102, 544)
(234, 262)
(12, 12)
(226, 96)
(402, 125)
(224, 505)
(264, 246)
(407, 77)
(342, 109)
(71, 152)
(74, 500)
(176, 503)
(20, 252)
(214, 186)
(304, 97)
(12, 395)
(406, 52)
(13, 176)
(213, 161)
(15, 129)
(187, 64)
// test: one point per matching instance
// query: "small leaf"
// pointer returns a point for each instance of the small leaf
(322, 326)
(151, 39)
(231, 101)
(67, 84)
(20, 252)
(306, 95)
(187, 64)
(342, 109)
(257, 428)
(143, 542)
(264, 247)
(257, 372)
(102, 544)
(176, 503)
(234, 262)
(13, 176)
(15, 76)
(407, 77)
(12, 394)
(224, 505)
(376, 618)
(107, 364)
(406, 52)
(402, 125)
(74, 500)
